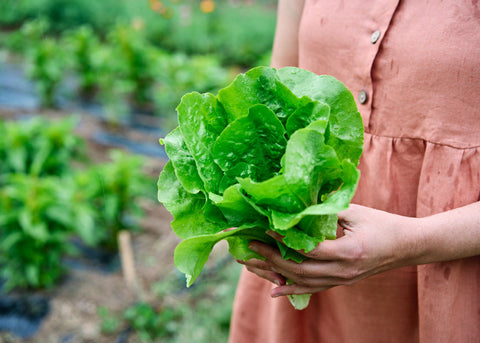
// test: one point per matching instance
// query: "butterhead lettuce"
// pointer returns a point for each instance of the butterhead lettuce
(275, 150)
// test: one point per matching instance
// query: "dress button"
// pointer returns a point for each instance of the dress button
(362, 96)
(375, 36)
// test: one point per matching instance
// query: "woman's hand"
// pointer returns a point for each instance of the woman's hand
(373, 241)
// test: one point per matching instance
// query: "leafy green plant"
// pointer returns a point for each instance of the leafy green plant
(31, 31)
(205, 308)
(46, 67)
(221, 32)
(148, 322)
(68, 14)
(45, 199)
(35, 226)
(179, 74)
(134, 61)
(109, 323)
(275, 150)
(14, 12)
(239, 46)
(111, 192)
(84, 45)
(40, 147)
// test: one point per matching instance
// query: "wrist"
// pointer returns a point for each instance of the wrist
(415, 242)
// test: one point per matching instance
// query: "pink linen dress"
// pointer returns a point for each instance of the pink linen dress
(414, 67)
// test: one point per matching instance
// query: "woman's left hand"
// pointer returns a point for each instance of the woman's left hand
(373, 241)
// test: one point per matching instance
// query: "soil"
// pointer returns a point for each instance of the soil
(73, 316)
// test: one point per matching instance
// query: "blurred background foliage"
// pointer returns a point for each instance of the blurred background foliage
(135, 55)
(131, 58)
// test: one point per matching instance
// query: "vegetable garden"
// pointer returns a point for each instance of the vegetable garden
(87, 88)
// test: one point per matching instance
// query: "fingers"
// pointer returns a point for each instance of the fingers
(288, 268)
(352, 215)
(328, 250)
(308, 277)
(263, 270)
(295, 289)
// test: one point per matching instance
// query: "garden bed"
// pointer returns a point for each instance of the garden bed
(73, 307)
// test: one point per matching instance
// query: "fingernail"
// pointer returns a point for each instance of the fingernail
(252, 246)
(274, 295)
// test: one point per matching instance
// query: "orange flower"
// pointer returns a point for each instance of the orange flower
(207, 6)
(156, 5)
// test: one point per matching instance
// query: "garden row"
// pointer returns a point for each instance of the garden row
(51, 197)
(143, 64)
(57, 207)
(240, 32)
(122, 72)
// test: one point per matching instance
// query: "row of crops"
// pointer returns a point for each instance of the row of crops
(56, 205)
(145, 60)
(51, 195)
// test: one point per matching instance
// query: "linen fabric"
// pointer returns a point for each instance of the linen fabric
(420, 73)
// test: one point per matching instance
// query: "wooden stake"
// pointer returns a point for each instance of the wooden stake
(128, 262)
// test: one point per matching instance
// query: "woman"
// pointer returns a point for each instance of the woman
(406, 267)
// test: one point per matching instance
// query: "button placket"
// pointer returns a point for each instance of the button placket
(363, 95)
(372, 38)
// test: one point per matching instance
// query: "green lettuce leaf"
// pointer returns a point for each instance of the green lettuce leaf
(183, 162)
(191, 254)
(345, 123)
(251, 146)
(307, 112)
(201, 120)
(188, 209)
(274, 150)
(258, 86)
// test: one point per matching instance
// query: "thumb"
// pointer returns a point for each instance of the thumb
(348, 217)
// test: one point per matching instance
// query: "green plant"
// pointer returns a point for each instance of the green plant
(45, 199)
(134, 60)
(113, 190)
(46, 67)
(222, 31)
(113, 89)
(35, 226)
(205, 308)
(14, 12)
(85, 61)
(31, 31)
(242, 46)
(178, 74)
(68, 14)
(275, 150)
(150, 323)
(39, 147)
(109, 323)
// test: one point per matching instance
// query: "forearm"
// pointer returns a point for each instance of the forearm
(449, 235)
(285, 46)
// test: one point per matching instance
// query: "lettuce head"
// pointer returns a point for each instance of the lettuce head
(277, 149)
